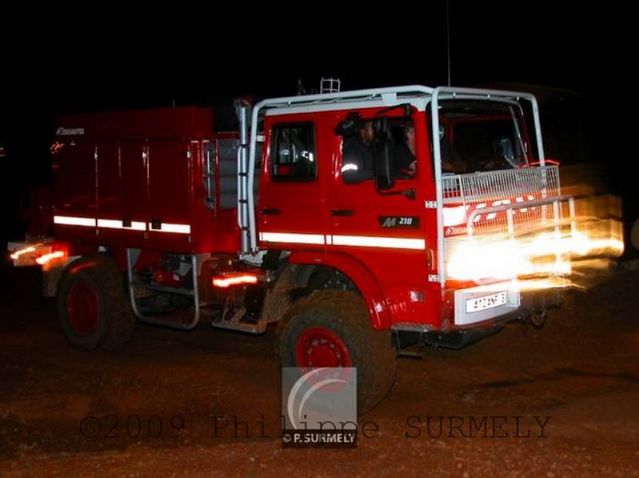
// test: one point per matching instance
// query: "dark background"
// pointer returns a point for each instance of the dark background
(54, 62)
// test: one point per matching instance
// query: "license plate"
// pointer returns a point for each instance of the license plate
(486, 302)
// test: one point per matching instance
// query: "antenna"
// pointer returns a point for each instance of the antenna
(448, 40)
(300, 88)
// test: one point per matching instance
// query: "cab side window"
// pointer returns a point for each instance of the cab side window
(293, 152)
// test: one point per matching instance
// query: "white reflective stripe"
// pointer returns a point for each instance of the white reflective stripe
(366, 241)
(136, 226)
(290, 237)
(110, 223)
(115, 224)
(386, 242)
(74, 221)
(176, 228)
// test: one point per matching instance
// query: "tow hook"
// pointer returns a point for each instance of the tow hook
(534, 317)
(538, 318)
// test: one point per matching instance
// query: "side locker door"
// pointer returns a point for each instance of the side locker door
(290, 208)
(169, 191)
(109, 180)
(75, 168)
(75, 193)
(134, 158)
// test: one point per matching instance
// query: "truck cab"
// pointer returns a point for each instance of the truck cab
(392, 237)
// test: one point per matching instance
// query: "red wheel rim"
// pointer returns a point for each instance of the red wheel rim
(83, 307)
(320, 347)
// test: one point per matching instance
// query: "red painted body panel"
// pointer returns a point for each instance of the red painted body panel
(145, 167)
(178, 122)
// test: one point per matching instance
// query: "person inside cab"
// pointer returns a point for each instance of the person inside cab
(452, 162)
(404, 156)
(357, 152)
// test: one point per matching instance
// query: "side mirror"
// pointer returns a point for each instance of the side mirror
(384, 178)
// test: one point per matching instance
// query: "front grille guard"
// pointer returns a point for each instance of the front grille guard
(548, 215)
(551, 218)
(515, 204)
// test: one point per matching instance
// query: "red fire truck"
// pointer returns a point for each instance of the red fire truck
(157, 215)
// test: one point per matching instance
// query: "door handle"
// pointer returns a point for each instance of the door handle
(342, 212)
(271, 211)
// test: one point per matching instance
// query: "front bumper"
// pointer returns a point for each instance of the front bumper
(492, 302)
(521, 300)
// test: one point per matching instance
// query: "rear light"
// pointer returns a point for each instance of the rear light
(43, 254)
(21, 252)
(234, 278)
(44, 259)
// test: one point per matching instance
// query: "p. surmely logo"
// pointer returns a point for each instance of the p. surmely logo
(306, 386)
(319, 407)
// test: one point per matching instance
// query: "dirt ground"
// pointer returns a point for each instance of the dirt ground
(149, 409)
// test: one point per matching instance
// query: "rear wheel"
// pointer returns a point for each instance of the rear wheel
(92, 307)
(332, 329)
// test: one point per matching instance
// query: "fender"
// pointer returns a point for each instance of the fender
(370, 289)
(52, 279)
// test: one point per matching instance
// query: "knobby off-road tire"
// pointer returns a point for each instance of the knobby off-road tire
(332, 328)
(92, 306)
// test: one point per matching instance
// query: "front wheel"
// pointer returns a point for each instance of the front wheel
(332, 329)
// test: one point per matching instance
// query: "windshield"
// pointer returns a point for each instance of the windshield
(481, 136)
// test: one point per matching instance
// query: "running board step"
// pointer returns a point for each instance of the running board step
(162, 288)
(256, 328)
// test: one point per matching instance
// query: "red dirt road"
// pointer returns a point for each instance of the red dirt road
(149, 409)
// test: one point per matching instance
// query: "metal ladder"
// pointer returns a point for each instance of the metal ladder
(230, 318)
(131, 258)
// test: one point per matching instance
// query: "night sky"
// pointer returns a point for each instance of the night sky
(92, 63)
(96, 60)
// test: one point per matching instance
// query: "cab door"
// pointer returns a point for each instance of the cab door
(369, 219)
(291, 204)
(384, 230)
